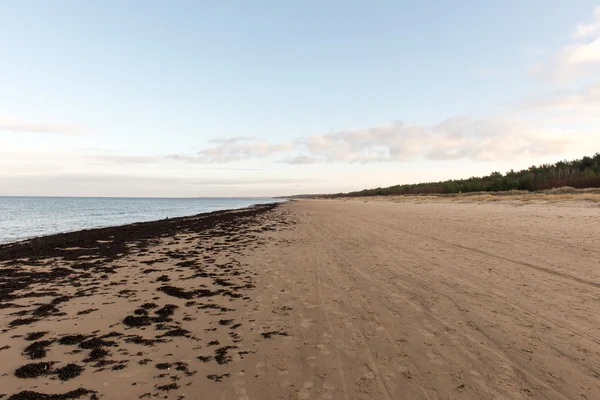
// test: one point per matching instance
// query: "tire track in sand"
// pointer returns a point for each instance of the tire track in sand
(327, 317)
(353, 312)
(522, 263)
(564, 325)
(522, 372)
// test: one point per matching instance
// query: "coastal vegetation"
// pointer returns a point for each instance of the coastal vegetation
(580, 173)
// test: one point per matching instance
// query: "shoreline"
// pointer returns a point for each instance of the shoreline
(311, 300)
(73, 305)
(122, 225)
(40, 245)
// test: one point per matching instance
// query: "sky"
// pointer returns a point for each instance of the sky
(267, 98)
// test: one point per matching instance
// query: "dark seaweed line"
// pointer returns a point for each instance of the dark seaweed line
(118, 236)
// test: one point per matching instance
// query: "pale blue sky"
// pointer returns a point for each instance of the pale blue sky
(126, 90)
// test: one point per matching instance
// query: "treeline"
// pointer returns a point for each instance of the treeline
(582, 173)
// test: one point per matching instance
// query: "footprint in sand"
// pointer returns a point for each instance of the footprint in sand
(242, 394)
(306, 323)
(435, 359)
(324, 350)
(260, 368)
(327, 391)
(305, 393)
(286, 382)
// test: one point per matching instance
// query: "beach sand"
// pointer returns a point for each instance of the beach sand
(313, 299)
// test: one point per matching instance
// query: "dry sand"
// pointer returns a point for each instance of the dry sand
(319, 299)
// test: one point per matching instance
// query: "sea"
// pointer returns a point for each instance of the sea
(27, 217)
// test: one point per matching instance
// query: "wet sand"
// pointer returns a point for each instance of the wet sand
(311, 300)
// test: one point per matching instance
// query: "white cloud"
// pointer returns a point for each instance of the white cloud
(498, 138)
(586, 98)
(572, 107)
(302, 160)
(584, 53)
(593, 28)
(494, 138)
(15, 125)
(569, 63)
(240, 148)
(574, 60)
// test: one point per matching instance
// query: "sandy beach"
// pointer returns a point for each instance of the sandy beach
(311, 299)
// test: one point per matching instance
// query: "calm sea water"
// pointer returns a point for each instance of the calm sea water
(26, 217)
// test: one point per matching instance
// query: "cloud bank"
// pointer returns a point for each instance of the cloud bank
(452, 139)
(17, 126)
